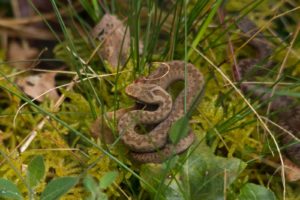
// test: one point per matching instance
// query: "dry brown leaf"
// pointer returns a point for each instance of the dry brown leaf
(292, 171)
(22, 56)
(111, 31)
(101, 129)
(35, 85)
(25, 8)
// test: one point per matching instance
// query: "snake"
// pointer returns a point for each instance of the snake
(155, 146)
(287, 108)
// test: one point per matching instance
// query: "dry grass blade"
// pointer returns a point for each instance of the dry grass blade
(264, 125)
(27, 32)
(9, 22)
(283, 65)
(41, 124)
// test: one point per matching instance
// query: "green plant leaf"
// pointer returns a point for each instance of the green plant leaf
(92, 186)
(90, 183)
(252, 191)
(108, 179)
(205, 176)
(204, 25)
(179, 129)
(202, 176)
(36, 170)
(9, 190)
(58, 187)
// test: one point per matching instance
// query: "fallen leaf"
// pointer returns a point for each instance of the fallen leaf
(100, 128)
(26, 9)
(21, 56)
(36, 85)
(115, 39)
(292, 171)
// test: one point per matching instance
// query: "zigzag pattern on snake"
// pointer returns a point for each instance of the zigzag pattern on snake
(154, 146)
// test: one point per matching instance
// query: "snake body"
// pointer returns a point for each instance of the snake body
(287, 108)
(154, 146)
(148, 94)
(167, 151)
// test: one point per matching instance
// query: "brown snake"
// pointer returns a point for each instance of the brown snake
(287, 108)
(154, 146)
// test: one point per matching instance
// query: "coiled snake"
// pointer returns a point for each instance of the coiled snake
(154, 146)
(287, 108)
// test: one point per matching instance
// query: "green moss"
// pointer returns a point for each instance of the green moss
(222, 120)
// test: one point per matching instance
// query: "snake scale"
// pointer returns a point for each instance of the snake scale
(154, 146)
(287, 109)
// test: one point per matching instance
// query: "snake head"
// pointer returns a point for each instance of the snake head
(147, 93)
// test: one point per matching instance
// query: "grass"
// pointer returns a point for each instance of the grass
(236, 151)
